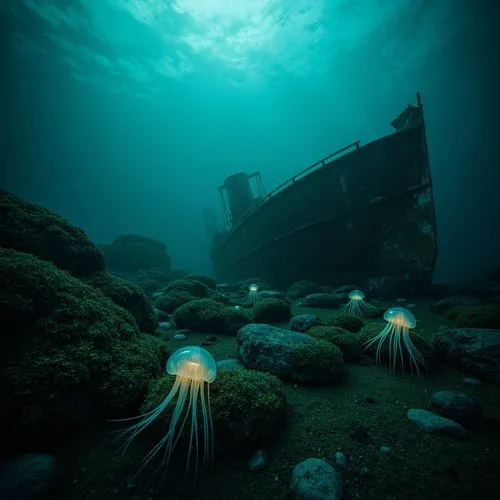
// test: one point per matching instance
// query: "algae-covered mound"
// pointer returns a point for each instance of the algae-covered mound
(272, 311)
(206, 315)
(484, 316)
(207, 280)
(245, 407)
(179, 292)
(347, 322)
(127, 295)
(290, 355)
(69, 355)
(33, 229)
(346, 341)
(133, 252)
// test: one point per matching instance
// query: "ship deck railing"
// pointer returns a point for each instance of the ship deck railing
(292, 180)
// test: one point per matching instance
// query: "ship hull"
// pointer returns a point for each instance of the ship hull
(364, 218)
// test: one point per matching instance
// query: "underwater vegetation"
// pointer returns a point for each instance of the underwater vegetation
(397, 336)
(194, 368)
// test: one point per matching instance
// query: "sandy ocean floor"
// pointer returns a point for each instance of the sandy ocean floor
(357, 417)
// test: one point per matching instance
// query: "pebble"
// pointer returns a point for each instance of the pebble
(27, 477)
(257, 461)
(316, 479)
(457, 406)
(472, 381)
(430, 422)
(341, 460)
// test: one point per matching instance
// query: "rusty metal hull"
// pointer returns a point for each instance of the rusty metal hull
(365, 218)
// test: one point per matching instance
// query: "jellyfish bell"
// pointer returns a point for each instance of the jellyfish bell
(253, 288)
(401, 317)
(356, 295)
(193, 362)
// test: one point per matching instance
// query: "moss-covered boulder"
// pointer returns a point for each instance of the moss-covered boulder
(245, 406)
(347, 322)
(169, 302)
(471, 350)
(272, 311)
(206, 315)
(346, 341)
(194, 287)
(289, 355)
(69, 355)
(133, 252)
(207, 280)
(321, 363)
(127, 295)
(301, 289)
(486, 316)
(179, 292)
(33, 229)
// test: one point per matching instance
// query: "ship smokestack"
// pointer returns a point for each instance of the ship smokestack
(239, 195)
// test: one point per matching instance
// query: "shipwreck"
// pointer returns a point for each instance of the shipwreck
(363, 215)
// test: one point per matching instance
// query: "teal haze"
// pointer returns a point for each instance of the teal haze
(125, 115)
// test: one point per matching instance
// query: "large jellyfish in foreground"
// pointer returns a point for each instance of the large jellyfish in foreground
(397, 334)
(357, 305)
(195, 369)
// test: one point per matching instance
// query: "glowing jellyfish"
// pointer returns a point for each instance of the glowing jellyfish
(397, 334)
(357, 306)
(253, 294)
(194, 368)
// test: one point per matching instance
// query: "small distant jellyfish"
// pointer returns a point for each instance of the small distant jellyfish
(397, 334)
(194, 368)
(253, 294)
(237, 308)
(357, 306)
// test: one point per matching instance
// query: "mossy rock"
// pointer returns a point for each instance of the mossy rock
(36, 230)
(486, 316)
(320, 362)
(127, 295)
(194, 287)
(69, 355)
(347, 322)
(453, 312)
(346, 341)
(272, 311)
(210, 316)
(301, 289)
(245, 406)
(206, 280)
(169, 302)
